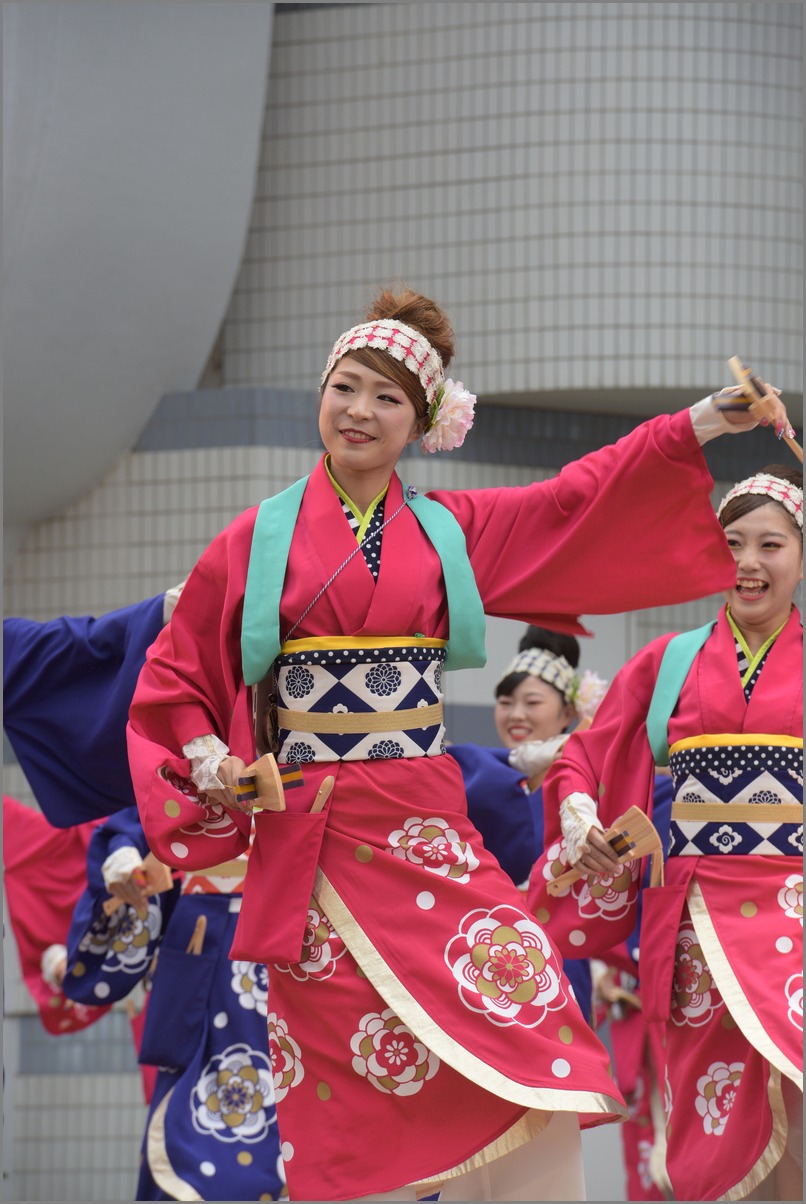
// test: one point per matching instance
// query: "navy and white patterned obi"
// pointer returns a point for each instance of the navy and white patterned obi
(360, 681)
(738, 787)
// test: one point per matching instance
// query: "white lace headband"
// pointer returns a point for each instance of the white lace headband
(585, 692)
(450, 405)
(789, 495)
(553, 669)
(402, 343)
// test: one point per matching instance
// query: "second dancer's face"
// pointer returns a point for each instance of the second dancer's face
(533, 711)
(769, 566)
(365, 421)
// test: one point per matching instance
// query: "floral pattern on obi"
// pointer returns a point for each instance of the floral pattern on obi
(125, 939)
(724, 774)
(695, 997)
(321, 948)
(504, 967)
(360, 681)
(388, 1054)
(790, 897)
(234, 1097)
(716, 1092)
(434, 845)
(250, 982)
(286, 1057)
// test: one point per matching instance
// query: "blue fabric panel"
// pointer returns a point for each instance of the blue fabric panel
(68, 685)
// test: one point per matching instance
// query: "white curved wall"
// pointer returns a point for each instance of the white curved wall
(131, 137)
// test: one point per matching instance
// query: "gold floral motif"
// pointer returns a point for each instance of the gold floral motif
(388, 1054)
(695, 997)
(505, 967)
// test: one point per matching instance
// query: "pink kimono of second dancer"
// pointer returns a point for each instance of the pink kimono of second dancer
(721, 950)
(422, 1032)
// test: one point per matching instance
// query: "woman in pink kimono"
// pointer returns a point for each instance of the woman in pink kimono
(422, 1033)
(720, 961)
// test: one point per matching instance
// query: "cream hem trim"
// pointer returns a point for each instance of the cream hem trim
(529, 1126)
(774, 1151)
(443, 1045)
(159, 1164)
(731, 991)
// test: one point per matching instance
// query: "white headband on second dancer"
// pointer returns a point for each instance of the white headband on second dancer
(776, 489)
(549, 667)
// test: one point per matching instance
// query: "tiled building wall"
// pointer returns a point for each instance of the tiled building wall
(606, 199)
(603, 195)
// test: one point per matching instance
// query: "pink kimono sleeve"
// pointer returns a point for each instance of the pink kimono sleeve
(611, 762)
(626, 527)
(191, 685)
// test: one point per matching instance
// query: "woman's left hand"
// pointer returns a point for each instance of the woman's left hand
(774, 411)
(596, 855)
(230, 771)
(132, 890)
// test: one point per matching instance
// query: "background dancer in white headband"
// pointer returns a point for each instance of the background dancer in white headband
(420, 1026)
(721, 958)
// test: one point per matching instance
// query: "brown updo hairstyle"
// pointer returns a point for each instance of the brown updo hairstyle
(423, 315)
(737, 507)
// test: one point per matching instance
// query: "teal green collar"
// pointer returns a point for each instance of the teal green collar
(271, 542)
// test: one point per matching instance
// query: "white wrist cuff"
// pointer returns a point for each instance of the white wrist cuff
(170, 600)
(708, 422)
(578, 814)
(52, 964)
(205, 754)
(535, 756)
(120, 864)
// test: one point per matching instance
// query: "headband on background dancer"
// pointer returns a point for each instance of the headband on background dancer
(449, 413)
(776, 489)
(584, 693)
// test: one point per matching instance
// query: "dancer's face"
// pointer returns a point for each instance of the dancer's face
(769, 565)
(365, 421)
(533, 711)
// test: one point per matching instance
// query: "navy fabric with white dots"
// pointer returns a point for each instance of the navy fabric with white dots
(371, 543)
(743, 667)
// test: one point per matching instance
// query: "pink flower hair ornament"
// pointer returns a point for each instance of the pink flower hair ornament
(450, 417)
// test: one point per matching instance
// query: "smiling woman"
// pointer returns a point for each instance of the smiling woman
(365, 421)
(762, 531)
(422, 1033)
(721, 948)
